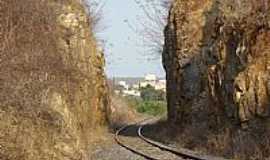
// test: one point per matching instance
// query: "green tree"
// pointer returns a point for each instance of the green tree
(149, 93)
(152, 107)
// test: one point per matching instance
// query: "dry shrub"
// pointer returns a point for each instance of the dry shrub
(122, 113)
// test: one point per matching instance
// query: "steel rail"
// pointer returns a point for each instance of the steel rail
(182, 153)
(185, 153)
(122, 144)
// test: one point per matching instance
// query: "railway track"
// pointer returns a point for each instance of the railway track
(131, 137)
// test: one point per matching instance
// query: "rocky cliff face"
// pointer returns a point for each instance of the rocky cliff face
(53, 94)
(216, 57)
(219, 51)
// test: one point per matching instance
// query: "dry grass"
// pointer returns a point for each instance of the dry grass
(122, 112)
(231, 143)
(227, 141)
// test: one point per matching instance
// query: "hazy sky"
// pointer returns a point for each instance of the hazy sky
(124, 56)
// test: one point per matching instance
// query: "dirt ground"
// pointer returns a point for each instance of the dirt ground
(107, 149)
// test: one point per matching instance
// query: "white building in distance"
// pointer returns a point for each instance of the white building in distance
(150, 77)
(131, 93)
(123, 84)
(160, 85)
(152, 80)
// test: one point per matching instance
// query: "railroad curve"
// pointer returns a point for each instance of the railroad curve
(131, 137)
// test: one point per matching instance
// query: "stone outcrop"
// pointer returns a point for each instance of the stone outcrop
(53, 92)
(216, 57)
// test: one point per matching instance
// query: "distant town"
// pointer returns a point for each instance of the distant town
(132, 86)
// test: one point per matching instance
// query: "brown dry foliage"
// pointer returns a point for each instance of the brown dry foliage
(122, 112)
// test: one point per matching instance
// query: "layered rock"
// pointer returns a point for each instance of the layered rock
(216, 57)
(53, 93)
